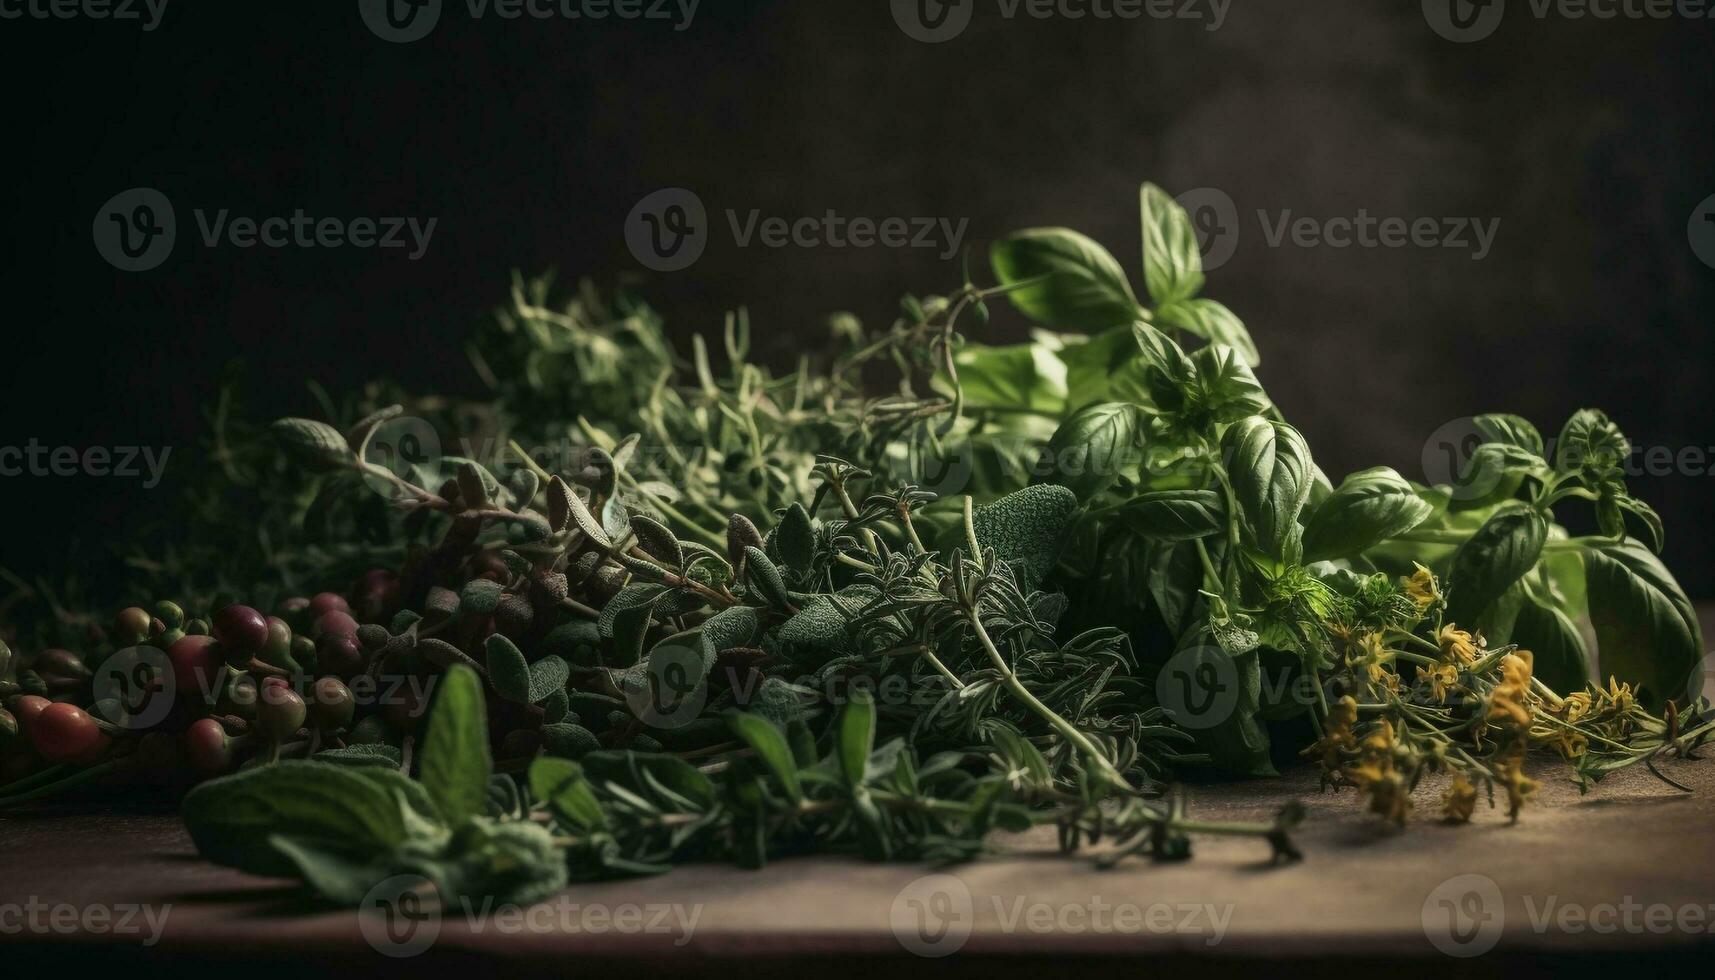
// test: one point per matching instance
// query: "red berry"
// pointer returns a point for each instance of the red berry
(195, 660)
(66, 733)
(326, 602)
(335, 622)
(339, 654)
(281, 712)
(26, 708)
(332, 704)
(241, 630)
(207, 747)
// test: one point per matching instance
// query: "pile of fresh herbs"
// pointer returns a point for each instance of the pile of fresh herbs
(668, 610)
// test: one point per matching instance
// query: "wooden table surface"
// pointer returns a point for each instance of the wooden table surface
(1623, 877)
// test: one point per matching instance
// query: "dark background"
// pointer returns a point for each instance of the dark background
(531, 141)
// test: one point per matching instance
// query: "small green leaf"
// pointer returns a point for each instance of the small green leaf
(561, 783)
(794, 539)
(507, 669)
(1079, 285)
(765, 579)
(479, 597)
(1095, 447)
(312, 440)
(856, 736)
(1172, 260)
(456, 764)
(657, 541)
(771, 748)
(1490, 561)
(1213, 322)
(1269, 465)
(548, 677)
(1176, 515)
(1367, 509)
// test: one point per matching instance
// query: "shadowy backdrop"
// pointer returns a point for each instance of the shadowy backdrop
(1583, 144)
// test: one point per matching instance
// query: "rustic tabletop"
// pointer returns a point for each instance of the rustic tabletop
(1621, 877)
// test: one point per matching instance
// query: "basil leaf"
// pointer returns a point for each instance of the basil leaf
(1081, 287)
(1269, 466)
(1647, 631)
(1020, 376)
(1213, 322)
(1172, 260)
(1646, 515)
(1176, 515)
(1094, 367)
(1092, 448)
(1228, 389)
(1368, 508)
(1511, 430)
(1592, 444)
(1561, 658)
(1490, 561)
(230, 819)
(456, 764)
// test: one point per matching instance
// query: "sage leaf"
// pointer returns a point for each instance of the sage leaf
(548, 677)
(455, 762)
(507, 669)
(856, 736)
(794, 539)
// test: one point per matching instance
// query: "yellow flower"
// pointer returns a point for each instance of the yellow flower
(1574, 706)
(1519, 787)
(1460, 800)
(1618, 697)
(1509, 704)
(1458, 646)
(1336, 733)
(1442, 678)
(1422, 589)
(1388, 791)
